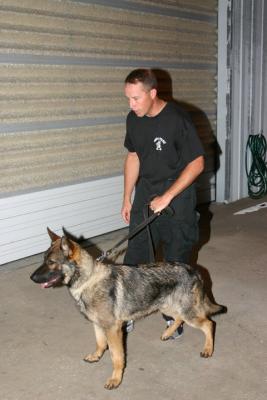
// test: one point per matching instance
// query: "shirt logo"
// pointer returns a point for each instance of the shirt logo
(159, 142)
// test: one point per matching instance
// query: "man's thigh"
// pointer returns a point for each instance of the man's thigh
(178, 239)
(138, 247)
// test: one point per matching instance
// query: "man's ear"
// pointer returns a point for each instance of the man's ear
(53, 236)
(153, 93)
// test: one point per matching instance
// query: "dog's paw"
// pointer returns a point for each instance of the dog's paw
(206, 354)
(112, 383)
(164, 338)
(91, 358)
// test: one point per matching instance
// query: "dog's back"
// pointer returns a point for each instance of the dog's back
(138, 291)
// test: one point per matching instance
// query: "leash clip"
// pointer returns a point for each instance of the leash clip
(101, 257)
(104, 255)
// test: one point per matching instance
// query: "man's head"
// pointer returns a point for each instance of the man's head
(141, 91)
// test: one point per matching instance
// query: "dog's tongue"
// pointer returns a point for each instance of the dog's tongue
(50, 283)
(45, 285)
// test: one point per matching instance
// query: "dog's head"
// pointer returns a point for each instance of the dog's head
(60, 262)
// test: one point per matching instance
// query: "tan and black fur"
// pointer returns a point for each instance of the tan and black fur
(109, 295)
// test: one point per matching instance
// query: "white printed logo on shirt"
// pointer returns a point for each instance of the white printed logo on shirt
(159, 142)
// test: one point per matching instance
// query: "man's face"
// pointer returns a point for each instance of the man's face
(140, 98)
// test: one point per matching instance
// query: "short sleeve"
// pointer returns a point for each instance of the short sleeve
(191, 145)
(127, 141)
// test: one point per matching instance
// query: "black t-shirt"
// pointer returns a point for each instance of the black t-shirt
(165, 144)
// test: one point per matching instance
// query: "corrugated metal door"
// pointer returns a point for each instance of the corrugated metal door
(62, 67)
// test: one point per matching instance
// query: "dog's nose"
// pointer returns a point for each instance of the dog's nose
(33, 277)
(37, 275)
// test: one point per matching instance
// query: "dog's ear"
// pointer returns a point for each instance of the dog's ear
(70, 249)
(53, 236)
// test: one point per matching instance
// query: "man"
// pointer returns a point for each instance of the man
(164, 159)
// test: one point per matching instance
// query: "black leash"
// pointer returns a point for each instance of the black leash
(137, 229)
(149, 236)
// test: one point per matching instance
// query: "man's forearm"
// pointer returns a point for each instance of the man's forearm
(131, 173)
(186, 178)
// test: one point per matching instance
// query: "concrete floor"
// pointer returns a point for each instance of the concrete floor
(43, 337)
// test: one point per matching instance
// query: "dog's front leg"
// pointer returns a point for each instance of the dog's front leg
(115, 344)
(101, 345)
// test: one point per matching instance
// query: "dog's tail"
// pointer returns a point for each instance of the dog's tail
(212, 308)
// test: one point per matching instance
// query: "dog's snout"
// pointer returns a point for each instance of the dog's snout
(34, 277)
(47, 278)
(40, 274)
(37, 276)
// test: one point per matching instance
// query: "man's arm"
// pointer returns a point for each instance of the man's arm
(131, 173)
(185, 179)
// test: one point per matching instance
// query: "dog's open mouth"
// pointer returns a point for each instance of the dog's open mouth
(47, 279)
(53, 282)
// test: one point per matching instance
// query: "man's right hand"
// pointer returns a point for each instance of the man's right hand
(126, 212)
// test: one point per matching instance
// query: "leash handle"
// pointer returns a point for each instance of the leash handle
(166, 211)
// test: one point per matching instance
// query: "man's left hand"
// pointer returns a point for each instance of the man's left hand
(159, 203)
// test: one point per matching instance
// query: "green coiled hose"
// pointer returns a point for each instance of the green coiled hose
(257, 174)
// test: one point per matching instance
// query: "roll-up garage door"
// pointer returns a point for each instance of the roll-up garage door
(62, 107)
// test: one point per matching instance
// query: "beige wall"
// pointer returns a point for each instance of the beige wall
(62, 66)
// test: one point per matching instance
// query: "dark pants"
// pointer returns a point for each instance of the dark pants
(177, 233)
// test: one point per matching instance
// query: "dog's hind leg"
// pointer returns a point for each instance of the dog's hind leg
(171, 329)
(207, 328)
(115, 344)
(101, 345)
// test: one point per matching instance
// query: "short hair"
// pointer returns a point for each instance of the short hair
(145, 76)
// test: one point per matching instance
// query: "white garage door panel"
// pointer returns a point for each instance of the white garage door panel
(86, 209)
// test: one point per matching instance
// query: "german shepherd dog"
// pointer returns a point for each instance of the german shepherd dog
(109, 295)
